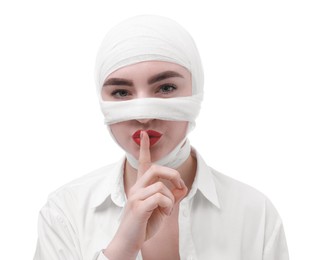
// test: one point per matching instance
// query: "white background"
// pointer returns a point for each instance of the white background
(259, 121)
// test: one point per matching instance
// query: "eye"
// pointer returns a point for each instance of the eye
(120, 93)
(167, 88)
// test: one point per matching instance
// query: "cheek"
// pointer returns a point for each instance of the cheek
(178, 131)
(119, 132)
(184, 128)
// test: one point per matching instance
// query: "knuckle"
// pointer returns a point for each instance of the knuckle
(154, 168)
(159, 186)
(175, 174)
(158, 196)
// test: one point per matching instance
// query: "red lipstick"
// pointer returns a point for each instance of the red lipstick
(154, 136)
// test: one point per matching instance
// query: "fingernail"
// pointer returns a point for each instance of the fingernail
(141, 134)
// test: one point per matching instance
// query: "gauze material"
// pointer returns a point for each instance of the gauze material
(151, 38)
(180, 153)
(148, 38)
(176, 109)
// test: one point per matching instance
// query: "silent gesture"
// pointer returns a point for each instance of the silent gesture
(151, 199)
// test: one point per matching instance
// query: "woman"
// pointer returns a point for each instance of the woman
(161, 201)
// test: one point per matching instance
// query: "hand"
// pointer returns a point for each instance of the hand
(149, 202)
(152, 200)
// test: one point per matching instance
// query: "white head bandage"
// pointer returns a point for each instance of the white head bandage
(151, 38)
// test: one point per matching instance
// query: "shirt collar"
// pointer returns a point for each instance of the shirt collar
(112, 184)
(204, 181)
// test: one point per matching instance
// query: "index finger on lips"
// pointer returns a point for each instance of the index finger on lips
(144, 161)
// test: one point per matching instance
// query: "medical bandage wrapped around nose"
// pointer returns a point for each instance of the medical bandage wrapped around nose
(151, 38)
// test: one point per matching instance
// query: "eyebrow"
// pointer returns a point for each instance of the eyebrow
(151, 80)
(118, 82)
(164, 75)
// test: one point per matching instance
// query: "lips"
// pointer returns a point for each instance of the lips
(154, 136)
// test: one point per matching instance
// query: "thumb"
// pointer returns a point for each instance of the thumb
(144, 154)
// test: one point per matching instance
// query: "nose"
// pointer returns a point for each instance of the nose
(144, 121)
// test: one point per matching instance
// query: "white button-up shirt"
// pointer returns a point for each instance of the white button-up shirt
(220, 219)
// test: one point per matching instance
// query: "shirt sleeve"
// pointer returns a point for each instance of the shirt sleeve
(275, 247)
(56, 236)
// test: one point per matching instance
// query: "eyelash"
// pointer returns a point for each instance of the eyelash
(122, 93)
(172, 88)
(116, 93)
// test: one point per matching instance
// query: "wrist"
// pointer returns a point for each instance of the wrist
(118, 250)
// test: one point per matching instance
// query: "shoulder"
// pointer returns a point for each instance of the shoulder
(230, 186)
(231, 195)
(236, 195)
(81, 192)
(249, 207)
(250, 212)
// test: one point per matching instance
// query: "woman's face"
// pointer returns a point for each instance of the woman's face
(142, 80)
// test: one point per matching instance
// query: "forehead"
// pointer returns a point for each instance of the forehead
(149, 68)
